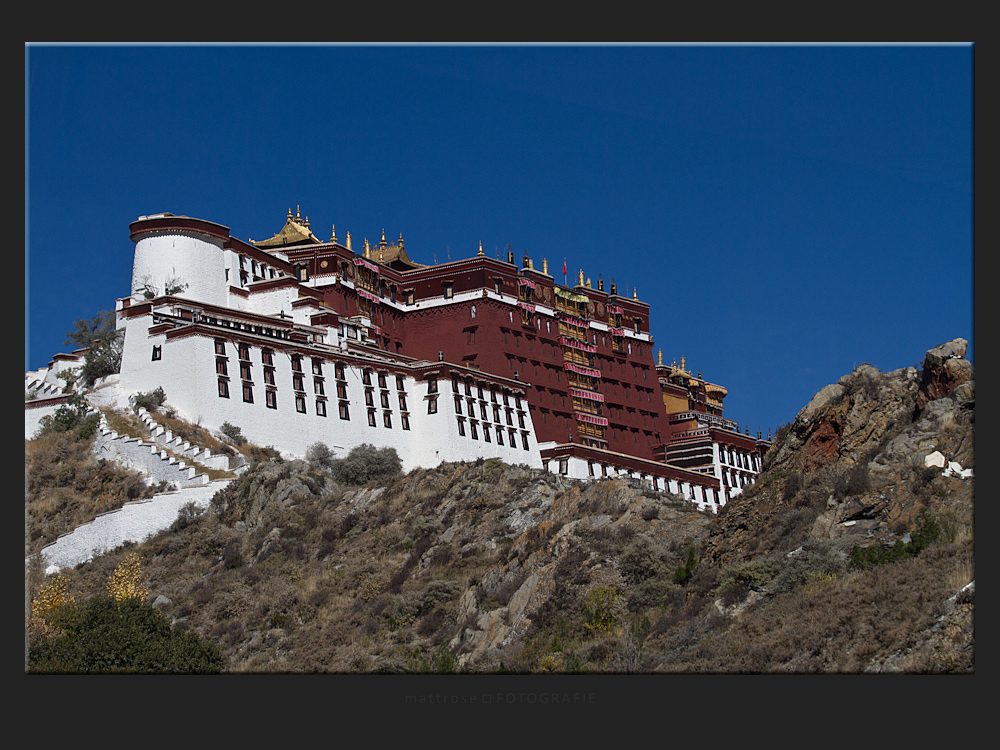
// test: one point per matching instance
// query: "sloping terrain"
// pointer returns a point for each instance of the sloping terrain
(850, 554)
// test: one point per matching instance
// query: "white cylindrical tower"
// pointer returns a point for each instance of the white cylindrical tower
(180, 256)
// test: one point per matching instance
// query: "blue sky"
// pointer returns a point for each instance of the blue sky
(788, 211)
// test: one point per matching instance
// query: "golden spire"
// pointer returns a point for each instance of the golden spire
(348, 241)
(480, 248)
(289, 217)
(659, 358)
(400, 239)
(545, 266)
(297, 217)
(588, 282)
(382, 242)
(635, 294)
(333, 233)
(306, 223)
(581, 277)
(368, 248)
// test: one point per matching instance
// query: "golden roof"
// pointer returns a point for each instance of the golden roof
(295, 232)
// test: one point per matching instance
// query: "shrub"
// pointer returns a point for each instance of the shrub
(320, 455)
(600, 609)
(150, 401)
(233, 432)
(684, 573)
(128, 636)
(366, 463)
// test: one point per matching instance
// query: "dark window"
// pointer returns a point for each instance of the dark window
(248, 393)
(338, 371)
(404, 420)
(271, 398)
(317, 365)
(387, 419)
(402, 402)
(399, 383)
(223, 388)
(297, 383)
(266, 357)
(220, 367)
(157, 353)
(369, 397)
(475, 433)
(458, 405)
(366, 377)
(432, 406)
(344, 411)
(269, 375)
(432, 385)
(244, 351)
(461, 427)
(486, 433)
(449, 289)
(342, 390)
(371, 417)
(245, 371)
(381, 380)
(318, 386)
(297, 363)
(321, 407)
(524, 440)
(385, 399)
(220, 346)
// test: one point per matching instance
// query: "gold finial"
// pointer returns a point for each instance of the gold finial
(333, 233)
(588, 282)
(581, 277)
(289, 214)
(684, 363)
(297, 217)
(600, 282)
(306, 223)
(368, 248)
(348, 240)
(545, 266)
(381, 256)
(382, 242)
(400, 239)
(635, 294)
(659, 358)
(480, 253)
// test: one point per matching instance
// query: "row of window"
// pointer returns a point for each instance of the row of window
(488, 432)
(471, 411)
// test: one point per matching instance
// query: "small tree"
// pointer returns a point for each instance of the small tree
(104, 344)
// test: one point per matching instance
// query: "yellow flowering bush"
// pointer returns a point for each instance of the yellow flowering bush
(126, 581)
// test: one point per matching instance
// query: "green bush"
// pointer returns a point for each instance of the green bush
(926, 533)
(366, 463)
(104, 636)
(71, 417)
(684, 573)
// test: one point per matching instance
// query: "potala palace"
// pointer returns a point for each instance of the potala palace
(298, 340)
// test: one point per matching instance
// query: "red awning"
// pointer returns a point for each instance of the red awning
(591, 395)
(599, 421)
(525, 282)
(589, 372)
(577, 344)
(362, 262)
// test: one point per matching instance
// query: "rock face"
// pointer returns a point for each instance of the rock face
(851, 458)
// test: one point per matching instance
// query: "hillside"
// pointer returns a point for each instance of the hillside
(851, 554)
